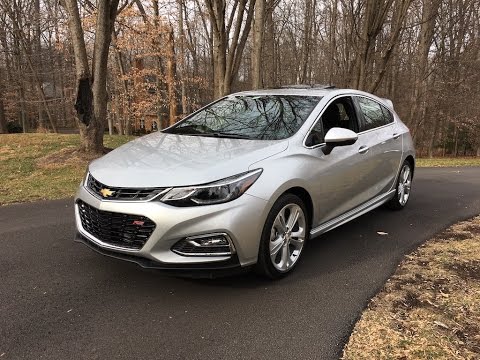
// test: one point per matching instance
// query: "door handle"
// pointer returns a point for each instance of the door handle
(395, 136)
(363, 149)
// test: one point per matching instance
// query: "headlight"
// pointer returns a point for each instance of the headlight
(214, 193)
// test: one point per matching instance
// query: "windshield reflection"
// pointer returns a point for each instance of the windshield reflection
(266, 117)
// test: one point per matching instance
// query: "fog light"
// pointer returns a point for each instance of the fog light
(213, 241)
(205, 245)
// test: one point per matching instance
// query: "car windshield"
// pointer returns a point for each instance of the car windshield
(264, 117)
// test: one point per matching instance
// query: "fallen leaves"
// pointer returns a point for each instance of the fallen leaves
(430, 308)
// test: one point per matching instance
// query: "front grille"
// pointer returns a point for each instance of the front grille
(121, 193)
(123, 230)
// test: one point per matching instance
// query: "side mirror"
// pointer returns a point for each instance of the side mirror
(338, 137)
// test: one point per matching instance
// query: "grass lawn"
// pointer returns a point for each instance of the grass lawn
(27, 174)
(44, 166)
(447, 162)
(430, 308)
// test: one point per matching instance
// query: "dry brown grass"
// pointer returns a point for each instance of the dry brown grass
(448, 162)
(430, 308)
(43, 166)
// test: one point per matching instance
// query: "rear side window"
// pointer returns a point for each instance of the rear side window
(388, 115)
(374, 114)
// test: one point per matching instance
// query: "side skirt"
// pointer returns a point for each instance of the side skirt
(352, 214)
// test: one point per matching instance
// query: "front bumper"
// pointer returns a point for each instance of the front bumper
(242, 219)
(206, 270)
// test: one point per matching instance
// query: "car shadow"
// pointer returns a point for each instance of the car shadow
(336, 250)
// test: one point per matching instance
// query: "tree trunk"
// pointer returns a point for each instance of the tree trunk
(3, 120)
(420, 86)
(125, 118)
(227, 58)
(269, 46)
(258, 26)
(333, 42)
(431, 140)
(217, 18)
(171, 70)
(182, 62)
(91, 103)
(38, 48)
(307, 40)
(376, 12)
(21, 82)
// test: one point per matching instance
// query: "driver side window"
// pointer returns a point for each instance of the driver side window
(340, 113)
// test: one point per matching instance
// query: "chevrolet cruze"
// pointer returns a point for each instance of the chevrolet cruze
(246, 181)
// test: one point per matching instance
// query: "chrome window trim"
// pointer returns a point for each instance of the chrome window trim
(359, 133)
(370, 130)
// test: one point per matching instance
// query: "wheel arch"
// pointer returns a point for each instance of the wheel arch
(411, 161)
(303, 194)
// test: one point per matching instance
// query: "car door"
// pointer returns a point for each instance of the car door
(338, 180)
(380, 145)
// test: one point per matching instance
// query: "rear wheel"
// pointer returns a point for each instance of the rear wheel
(283, 237)
(403, 188)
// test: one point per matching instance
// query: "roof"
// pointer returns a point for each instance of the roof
(287, 91)
(306, 90)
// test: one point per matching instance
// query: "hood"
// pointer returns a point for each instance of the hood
(164, 160)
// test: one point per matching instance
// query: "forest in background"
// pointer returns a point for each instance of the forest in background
(167, 58)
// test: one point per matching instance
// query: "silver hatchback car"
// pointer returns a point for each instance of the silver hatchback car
(246, 181)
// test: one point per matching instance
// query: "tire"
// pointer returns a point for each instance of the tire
(403, 188)
(281, 244)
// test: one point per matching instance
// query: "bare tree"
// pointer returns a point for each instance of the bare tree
(91, 103)
(258, 41)
(173, 56)
(182, 62)
(421, 74)
(227, 54)
(3, 120)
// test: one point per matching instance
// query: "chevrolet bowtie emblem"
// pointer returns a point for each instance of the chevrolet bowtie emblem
(106, 192)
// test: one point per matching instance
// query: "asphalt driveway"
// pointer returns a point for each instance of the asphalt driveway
(60, 300)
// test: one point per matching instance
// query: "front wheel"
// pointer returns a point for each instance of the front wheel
(403, 188)
(284, 234)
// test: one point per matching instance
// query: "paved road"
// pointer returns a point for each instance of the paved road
(60, 300)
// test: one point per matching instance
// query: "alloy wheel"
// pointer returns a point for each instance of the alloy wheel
(404, 185)
(287, 237)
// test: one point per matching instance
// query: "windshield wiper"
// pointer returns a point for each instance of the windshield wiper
(210, 134)
(184, 130)
(221, 134)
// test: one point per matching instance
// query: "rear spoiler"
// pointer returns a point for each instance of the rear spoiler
(389, 103)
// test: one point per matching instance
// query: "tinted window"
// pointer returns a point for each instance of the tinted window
(340, 113)
(388, 115)
(316, 135)
(269, 117)
(373, 115)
